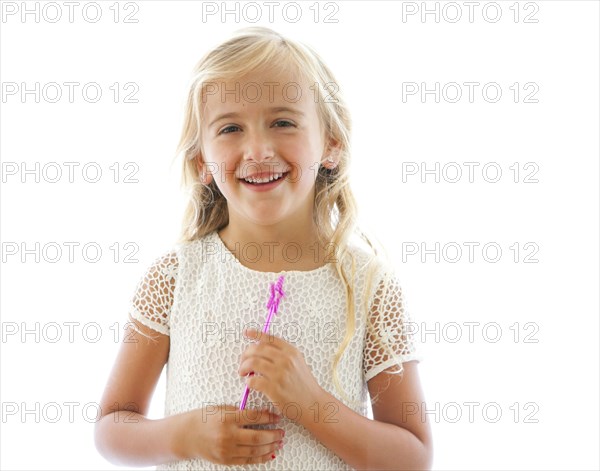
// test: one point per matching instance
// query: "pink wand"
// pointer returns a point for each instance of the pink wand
(273, 304)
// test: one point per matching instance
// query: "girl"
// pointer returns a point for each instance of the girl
(266, 146)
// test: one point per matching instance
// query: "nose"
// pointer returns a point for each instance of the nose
(257, 146)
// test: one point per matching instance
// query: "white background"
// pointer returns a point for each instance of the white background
(553, 377)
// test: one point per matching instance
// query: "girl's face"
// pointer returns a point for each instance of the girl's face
(264, 124)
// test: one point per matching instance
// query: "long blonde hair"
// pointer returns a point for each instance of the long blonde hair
(335, 210)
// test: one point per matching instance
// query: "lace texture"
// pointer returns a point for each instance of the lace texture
(202, 296)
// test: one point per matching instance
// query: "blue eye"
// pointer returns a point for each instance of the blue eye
(286, 122)
(228, 127)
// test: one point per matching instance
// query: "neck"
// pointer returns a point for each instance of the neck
(275, 235)
(269, 248)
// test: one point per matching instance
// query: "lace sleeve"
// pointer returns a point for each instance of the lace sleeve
(391, 326)
(153, 297)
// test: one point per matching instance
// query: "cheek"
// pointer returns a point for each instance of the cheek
(303, 175)
(301, 159)
(222, 164)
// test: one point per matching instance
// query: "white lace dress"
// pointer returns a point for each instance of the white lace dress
(202, 296)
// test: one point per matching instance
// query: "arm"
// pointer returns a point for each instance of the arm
(123, 435)
(396, 439)
(142, 442)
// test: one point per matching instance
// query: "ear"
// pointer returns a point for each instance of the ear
(332, 151)
(204, 175)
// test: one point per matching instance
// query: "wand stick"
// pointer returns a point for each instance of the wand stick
(273, 304)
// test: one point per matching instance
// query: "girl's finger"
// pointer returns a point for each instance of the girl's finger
(265, 458)
(256, 417)
(258, 444)
(248, 437)
(264, 338)
(256, 364)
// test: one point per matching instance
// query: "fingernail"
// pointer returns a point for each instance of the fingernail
(273, 456)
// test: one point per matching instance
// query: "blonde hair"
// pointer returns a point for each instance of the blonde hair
(335, 211)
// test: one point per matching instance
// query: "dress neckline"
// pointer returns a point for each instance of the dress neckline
(217, 238)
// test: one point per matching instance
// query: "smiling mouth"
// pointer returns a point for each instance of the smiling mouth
(263, 181)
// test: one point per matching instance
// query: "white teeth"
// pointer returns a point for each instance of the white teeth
(275, 176)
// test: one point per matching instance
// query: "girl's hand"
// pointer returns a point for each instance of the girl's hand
(284, 375)
(218, 434)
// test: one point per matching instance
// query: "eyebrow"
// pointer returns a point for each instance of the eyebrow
(275, 109)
